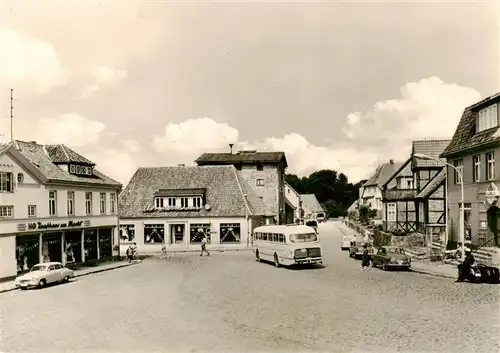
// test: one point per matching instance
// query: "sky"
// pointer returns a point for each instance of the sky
(341, 86)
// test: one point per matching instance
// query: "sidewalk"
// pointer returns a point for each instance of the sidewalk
(195, 250)
(438, 269)
(9, 285)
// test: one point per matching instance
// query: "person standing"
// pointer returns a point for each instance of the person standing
(130, 254)
(365, 259)
(204, 246)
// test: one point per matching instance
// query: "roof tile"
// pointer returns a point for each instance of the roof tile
(383, 173)
(241, 157)
(431, 148)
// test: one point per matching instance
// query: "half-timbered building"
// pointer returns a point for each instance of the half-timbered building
(414, 197)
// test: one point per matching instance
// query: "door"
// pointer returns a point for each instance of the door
(177, 234)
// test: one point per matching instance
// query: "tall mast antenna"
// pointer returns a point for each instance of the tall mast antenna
(11, 115)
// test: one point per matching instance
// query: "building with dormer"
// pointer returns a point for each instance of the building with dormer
(54, 206)
(263, 171)
(175, 207)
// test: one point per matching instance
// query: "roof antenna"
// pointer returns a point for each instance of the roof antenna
(11, 115)
(231, 147)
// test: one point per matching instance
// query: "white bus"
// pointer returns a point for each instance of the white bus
(287, 245)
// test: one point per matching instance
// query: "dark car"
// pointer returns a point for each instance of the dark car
(313, 224)
(357, 247)
(391, 257)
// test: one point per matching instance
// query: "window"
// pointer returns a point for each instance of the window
(102, 203)
(303, 238)
(31, 210)
(154, 233)
(409, 184)
(20, 178)
(171, 202)
(391, 212)
(490, 166)
(88, 203)
(159, 202)
(230, 233)
(260, 167)
(459, 164)
(72, 169)
(6, 182)
(6, 211)
(197, 202)
(260, 182)
(476, 168)
(487, 118)
(52, 203)
(483, 225)
(58, 267)
(281, 238)
(288, 190)
(197, 231)
(184, 202)
(112, 203)
(71, 203)
(127, 233)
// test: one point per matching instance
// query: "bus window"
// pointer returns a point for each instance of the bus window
(281, 238)
(274, 238)
(303, 238)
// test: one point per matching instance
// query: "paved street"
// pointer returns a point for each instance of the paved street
(230, 303)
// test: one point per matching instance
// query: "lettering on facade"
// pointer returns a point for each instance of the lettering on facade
(51, 225)
(492, 195)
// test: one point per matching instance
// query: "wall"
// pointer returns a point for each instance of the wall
(32, 192)
(375, 201)
(474, 193)
(272, 188)
(8, 264)
(215, 228)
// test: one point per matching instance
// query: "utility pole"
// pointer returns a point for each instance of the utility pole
(11, 115)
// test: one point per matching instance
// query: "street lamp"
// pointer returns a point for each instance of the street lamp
(462, 215)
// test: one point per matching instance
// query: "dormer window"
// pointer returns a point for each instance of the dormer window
(159, 202)
(179, 199)
(184, 202)
(80, 170)
(487, 118)
(171, 202)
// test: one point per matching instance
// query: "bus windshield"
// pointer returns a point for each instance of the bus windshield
(303, 238)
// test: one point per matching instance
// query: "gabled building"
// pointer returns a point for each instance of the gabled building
(263, 171)
(176, 206)
(292, 198)
(414, 196)
(312, 207)
(473, 150)
(371, 191)
(54, 206)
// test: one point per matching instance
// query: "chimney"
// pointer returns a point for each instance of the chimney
(231, 147)
(391, 161)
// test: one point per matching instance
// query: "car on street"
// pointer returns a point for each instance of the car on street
(357, 247)
(345, 242)
(44, 273)
(313, 224)
(391, 257)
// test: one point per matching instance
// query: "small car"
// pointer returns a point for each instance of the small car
(391, 257)
(313, 224)
(345, 243)
(44, 273)
(357, 247)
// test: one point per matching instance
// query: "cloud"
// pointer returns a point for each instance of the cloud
(103, 76)
(131, 145)
(195, 135)
(29, 64)
(70, 129)
(428, 109)
(115, 163)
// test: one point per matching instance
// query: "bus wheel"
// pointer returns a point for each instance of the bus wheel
(276, 260)
(257, 255)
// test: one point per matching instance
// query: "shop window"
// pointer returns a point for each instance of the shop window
(105, 242)
(51, 247)
(90, 246)
(27, 252)
(198, 231)
(73, 247)
(127, 233)
(154, 233)
(230, 233)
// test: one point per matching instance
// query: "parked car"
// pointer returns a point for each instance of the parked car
(320, 217)
(356, 249)
(345, 243)
(391, 257)
(44, 273)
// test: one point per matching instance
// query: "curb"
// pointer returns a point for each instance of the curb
(81, 275)
(435, 274)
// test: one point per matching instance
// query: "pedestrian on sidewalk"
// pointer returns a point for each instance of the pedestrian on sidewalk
(204, 246)
(365, 259)
(130, 254)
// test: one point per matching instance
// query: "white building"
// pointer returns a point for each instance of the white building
(372, 189)
(292, 197)
(176, 206)
(54, 206)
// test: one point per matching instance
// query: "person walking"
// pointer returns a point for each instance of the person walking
(365, 259)
(204, 246)
(130, 254)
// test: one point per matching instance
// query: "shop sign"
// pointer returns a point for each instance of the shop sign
(51, 225)
(492, 194)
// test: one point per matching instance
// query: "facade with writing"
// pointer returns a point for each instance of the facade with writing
(473, 150)
(54, 206)
(175, 207)
(263, 171)
(414, 197)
